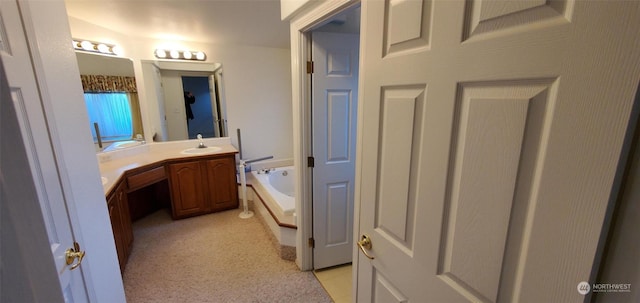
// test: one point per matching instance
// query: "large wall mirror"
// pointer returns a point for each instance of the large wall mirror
(190, 99)
(111, 99)
(184, 99)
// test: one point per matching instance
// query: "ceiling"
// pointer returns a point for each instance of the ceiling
(240, 22)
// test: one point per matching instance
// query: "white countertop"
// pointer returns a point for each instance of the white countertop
(114, 164)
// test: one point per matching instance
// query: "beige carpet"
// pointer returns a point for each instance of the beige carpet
(212, 258)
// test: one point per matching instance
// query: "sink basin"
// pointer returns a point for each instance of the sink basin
(104, 180)
(201, 151)
(122, 144)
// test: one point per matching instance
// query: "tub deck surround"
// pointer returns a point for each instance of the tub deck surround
(282, 238)
(114, 164)
(283, 226)
(284, 215)
(284, 202)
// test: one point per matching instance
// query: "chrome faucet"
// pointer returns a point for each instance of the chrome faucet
(140, 139)
(201, 143)
(266, 170)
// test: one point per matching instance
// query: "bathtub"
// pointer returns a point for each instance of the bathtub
(273, 200)
(279, 183)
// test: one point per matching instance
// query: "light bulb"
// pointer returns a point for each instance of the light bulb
(117, 50)
(86, 45)
(160, 53)
(103, 48)
(200, 56)
(174, 54)
(187, 55)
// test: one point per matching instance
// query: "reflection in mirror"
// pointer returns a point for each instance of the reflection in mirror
(190, 99)
(111, 99)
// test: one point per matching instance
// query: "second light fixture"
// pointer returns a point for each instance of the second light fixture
(180, 55)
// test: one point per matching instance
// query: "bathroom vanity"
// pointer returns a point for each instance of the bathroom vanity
(154, 178)
(203, 186)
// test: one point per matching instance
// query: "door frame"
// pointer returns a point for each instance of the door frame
(631, 142)
(301, 24)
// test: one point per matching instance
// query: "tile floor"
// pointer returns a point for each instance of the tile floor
(337, 282)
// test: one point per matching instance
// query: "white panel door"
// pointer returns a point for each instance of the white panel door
(175, 112)
(162, 109)
(34, 140)
(490, 131)
(335, 95)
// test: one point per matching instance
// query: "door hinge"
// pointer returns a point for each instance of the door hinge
(311, 162)
(309, 67)
(312, 243)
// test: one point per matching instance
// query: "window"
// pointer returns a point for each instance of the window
(112, 112)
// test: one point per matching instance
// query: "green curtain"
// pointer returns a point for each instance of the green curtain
(101, 83)
(120, 84)
(136, 117)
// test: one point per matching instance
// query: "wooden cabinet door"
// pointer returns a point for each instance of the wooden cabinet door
(116, 225)
(125, 220)
(221, 183)
(121, 224)
(187, 191)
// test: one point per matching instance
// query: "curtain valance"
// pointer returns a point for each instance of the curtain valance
(100, 84)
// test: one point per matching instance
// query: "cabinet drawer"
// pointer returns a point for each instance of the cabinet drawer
(145, 178)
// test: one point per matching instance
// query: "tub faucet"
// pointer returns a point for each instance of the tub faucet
(264, 171)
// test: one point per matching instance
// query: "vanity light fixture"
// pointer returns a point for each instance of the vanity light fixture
(179, 55)
(96, 47)
(160, 53)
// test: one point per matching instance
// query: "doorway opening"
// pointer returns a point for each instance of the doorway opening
(333, 93)
(202, 107)
(194, 104)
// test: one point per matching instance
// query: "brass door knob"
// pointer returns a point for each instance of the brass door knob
(365, 243)
(74, 253)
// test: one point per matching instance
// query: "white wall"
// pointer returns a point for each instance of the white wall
(289, 7)
(257, 87)
(153, 104)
